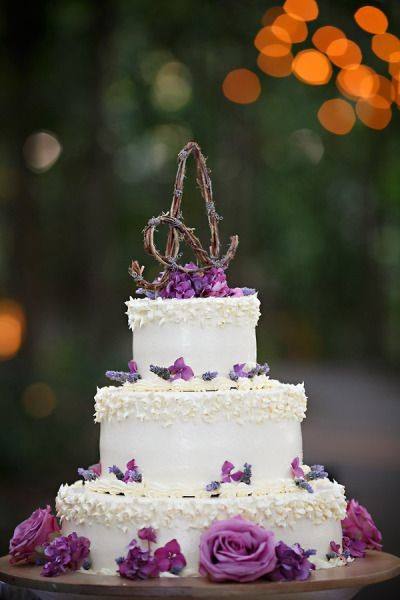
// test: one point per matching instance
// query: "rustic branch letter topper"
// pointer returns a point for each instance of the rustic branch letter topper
(179, 232)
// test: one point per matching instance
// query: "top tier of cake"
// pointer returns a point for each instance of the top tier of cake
(212, 334)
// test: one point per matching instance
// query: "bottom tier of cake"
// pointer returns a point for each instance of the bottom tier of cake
(112, 521)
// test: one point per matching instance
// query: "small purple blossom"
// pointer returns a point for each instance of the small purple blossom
(335, 552)
(226, 473)
(316, 472)
(293, 563)
(123, 376)
(209, 375)
(132, 476)
(180, 370)
(87, 474)
(297, 471)
(213, 486)
(355, 548)
(132, 366)
(169, 558)
(239, 370)
(117, 472)
(138, 564)
(147, 533)
(248, 291)
(65, 553)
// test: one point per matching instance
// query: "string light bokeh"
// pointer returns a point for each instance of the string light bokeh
(329, 55)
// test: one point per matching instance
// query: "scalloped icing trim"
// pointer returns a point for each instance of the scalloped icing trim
(275, 401)
(75, 503)
(105, 485)
(207, 311)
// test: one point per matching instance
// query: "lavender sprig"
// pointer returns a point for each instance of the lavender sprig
(302, 483)
(209, 375)
(123, 376)
(317, 472)
(246, 477)
(162, 372)
(117, 472)
(213, 486)
(87, 474)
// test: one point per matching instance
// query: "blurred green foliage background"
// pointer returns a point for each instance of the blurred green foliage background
(120, 87)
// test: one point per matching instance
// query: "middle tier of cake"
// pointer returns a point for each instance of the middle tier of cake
(180, 439)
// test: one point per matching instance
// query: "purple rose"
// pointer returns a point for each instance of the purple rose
(31, 533)
(359, 525)
(237, 550)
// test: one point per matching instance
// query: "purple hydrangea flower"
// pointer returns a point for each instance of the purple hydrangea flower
(65, 553)
(236, 292)
(179, 370)
(293, 563)
(147, 533)
(179, 285)
(138, 564)
(297, 471)
(355, 548)
(169, 558)
(226, 473)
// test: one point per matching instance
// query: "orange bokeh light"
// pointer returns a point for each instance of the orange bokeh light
(304, 10)
(361, 82)
(12, 326)
(385, 94)
(324, 36)
(271, 14)
(371, 19)
(295, 29)
(241, 86)
(267, 42)
(371, 116)
(276, 67)
(312, 67)
(344, 53)
(387, 47)
(394, 70)
(337, 116)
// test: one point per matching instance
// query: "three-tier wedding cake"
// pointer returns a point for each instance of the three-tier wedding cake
(197, 431)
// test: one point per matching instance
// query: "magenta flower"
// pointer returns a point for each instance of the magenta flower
(169, 558)
(96, 469)
(236, 292)
(355, 548)
(132, 366)
(226, 473)
(147, 533)
(297, 471)
(132, 473)
(65, 553)
(358, 525)
(179, 285)
(237, 550)
(32, 533)
(293, 563)
(138, 564)
(179, 370)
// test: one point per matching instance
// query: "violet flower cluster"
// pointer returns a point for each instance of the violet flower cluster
(179, 370)
(130, 376)
(239, 370)
(228, 475)
(301, 479)
(195, 284)
(91, 473)
(132, 473)
(143, 564)
(336, 552)
(65, 553)
(239, 550)
(359, 528)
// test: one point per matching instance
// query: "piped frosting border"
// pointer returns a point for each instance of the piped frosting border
(276, 400)
(206, 311)
(75, 503)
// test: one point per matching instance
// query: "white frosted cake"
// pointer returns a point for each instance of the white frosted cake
(211, 434)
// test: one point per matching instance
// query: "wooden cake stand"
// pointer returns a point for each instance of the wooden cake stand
(327, 584)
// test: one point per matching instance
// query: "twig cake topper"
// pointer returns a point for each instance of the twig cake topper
(179, 232)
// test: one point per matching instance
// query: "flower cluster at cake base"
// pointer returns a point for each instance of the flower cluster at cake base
(302, 479)
(142, 563)
(91, 473)
(359, 530)
(229, 475)
(38, 540)
(239, 550)
(130, 376)
(193, 283)
(132, 472)
(248, 371)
